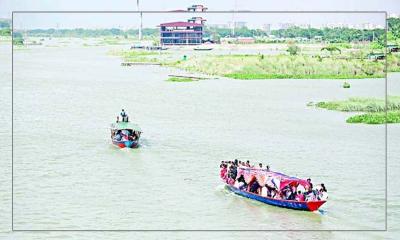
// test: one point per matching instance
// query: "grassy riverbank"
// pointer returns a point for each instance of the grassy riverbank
(362, 104)
(140, 56)
(376, 118)
(257, 66)
(282, 66)
(374, 108)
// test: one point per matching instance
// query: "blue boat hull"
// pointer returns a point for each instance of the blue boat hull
(297, 205)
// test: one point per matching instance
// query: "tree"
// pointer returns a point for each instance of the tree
(331, 49)
(293, 49)
(18, 39)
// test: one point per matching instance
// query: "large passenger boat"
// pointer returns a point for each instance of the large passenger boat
(271, 188)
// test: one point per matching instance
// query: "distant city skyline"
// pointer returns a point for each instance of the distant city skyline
(152, 20)
(267, 21)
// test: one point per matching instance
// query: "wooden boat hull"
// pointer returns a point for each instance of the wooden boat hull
(297, 205)
(126, 144)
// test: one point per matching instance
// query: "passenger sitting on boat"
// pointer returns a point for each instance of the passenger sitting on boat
(323, 188)
(131, 137)
(322, 193)
(292, 195)
(247, 163)
(222, 172)
(260, 166)
(233, 171)
(267, 168)
(286, 192)
(241, 183)
(255, 187)
(124, 116)
(118, 136)
(310, 196)
(270, 191)
(299, 196)
(310, 183)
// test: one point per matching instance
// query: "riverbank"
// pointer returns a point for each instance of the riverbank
(374, 108)
(260, 66)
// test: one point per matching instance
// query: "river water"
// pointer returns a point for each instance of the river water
(67, 175)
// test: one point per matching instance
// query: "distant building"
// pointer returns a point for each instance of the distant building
(285, 25)
(266, 27)
(197, 8)
(318, 38)
(245, 40)
(241, 40)
(181, 33)
(238, 24)
(226, 40)
(218, 25)
(197, 20)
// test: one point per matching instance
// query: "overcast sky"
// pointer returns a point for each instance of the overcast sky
(73, 20)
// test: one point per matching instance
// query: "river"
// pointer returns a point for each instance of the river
(67, 175)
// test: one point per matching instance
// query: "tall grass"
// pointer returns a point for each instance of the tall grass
(376, 118)
(374, 108)
(393, 62)
(362, 104)
(282, 66)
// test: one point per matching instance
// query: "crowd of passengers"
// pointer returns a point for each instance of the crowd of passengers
(230, 173)
(124, 135)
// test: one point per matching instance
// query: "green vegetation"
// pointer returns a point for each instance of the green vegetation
(346, 85)
(5, 32)
(293, 49)
(362, 104)
(85, 33)
(139, 56)
(375, 109)
(376, 118)
(333, 35)
(18, 39)
(393, 62)
(282, 66)
(181, 79)
(331, 49)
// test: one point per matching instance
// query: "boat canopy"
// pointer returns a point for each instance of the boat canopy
(126, 125)
(267, 177)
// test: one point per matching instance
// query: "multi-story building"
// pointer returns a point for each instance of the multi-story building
(181, 33)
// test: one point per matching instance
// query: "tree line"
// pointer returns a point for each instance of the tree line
(333, 35)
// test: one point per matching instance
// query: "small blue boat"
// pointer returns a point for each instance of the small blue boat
(129, 134)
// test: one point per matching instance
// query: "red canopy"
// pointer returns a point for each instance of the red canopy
(263, 177)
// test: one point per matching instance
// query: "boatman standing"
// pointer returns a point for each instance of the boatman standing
(124, 116)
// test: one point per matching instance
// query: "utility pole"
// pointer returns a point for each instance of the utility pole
(233, 18)
(141, 20)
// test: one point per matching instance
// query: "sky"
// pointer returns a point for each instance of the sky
(125, 21)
